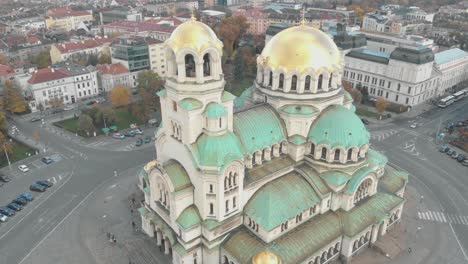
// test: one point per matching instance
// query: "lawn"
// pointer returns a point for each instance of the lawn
(20, 151)
(123, 120)
(365, 112)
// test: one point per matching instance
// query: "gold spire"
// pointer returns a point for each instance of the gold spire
(303, 17)
(193, 15)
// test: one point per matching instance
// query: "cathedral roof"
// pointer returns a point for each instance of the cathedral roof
(376, 158)
(214, 110)
(177, 174)
(313, 178)
(299, 110)
(189, 217)
(217, 151)
(281, 199)
(259, 127)
(190, 104)
(393, 180)
(335, 178)
(356, 179)
(338, 126)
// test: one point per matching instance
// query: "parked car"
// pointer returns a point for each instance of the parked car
(147, 139)
(450, 152)
(414, 125)
(20, 201)
(100, 100)
(139, 142)
(47, 160)
(35, 119)
(57, 110)
(15, 206)
(68, 108)
(37, 188)
(3, 218)
(137, 131)
(27, 196)
(129, 134)
(45, 183)
(443, 149)
(23, 168)
(365, 121)
(118, 136)
(461, 157)
(465, 162)
(454, 155)
(4, 178)
(6, 211)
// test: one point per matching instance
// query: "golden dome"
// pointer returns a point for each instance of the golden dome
(194, 35)
(266, 257)
(300, 48)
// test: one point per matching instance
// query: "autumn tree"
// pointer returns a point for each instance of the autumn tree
(42, 60)
(3, 124)
(85, 124)
(105, 116)
(355, 93)
(13, 99)
(381, 104)
(140, 112)
(5, 144)
(231, 30)
(104, 59)
(148, 84)
(120, 96)
(3, 59)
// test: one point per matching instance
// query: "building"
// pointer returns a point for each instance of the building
(453, 65)
(68, 19)
(111, 75)
(70, 83)
(113, 15)
(143, 28)
(340, 12)
(157, 57)
(274, 29)
(97, 46)
(386, 43)
(406, 76)
(6, 73)
(26, 24)
(168, 7)
(133, 53)
(302, 187)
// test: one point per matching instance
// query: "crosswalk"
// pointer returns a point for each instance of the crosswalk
(443, 217)
(56, 179)
(383, 134)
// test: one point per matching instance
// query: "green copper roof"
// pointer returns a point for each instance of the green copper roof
(356, 179)
(190, 104)
(217, 150)
(347, 97)
(280, 200)
(299, 110)
(376, 158)
(393, 180)
(257, 173)
(293, 247)
(179, 249)
(370, 212)
(179, 177)
(335, 178)
(338, 126)
(227, 96)
(189, 218)
(258, 127)
(297, 139)
(313, 178)
(215, 110)
(162, 93)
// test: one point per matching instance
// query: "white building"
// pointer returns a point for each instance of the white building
(386, 43)
(83, 48)
(71, 83)
(111, 75)
(157, 58)
(290, 179)
(453, 65)
(406, 76)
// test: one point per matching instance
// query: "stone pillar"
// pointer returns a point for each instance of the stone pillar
(384, 227)
(258, 157)
(374, 233)
(158, 238)
(267, 154)
(166, 246)
(248, 162)
(259, 74)
(181, 72)
(266, 78)
(275, 82)
(287, 84)
(313, 84)
(199, 72)
(300, 84)
(276, 151)
(308, 148)
(325, 79)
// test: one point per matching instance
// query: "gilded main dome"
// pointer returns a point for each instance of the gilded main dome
(266, 257)
(300, 48)
(194, 35)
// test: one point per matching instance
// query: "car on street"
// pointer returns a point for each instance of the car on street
(27, 196)
(118, 136)
(465, 162)
(68, 108)
(454, 155)
(137, 131)
(4, 178)
(37, 188)
(129, 134)
(450, 152)
(15, 206)
(20, 201)
(45, 183)
(365, 121)
(461, 157)
(100, 100)
(139, 142)
(414, 125)
(23, 168)
(57, 110)
(3, 218)
(35, 119)
(147, 139)
(443, 149)
(6, 211)
(47, 160)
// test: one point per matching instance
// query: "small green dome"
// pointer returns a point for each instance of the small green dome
(215, 110)
(338, 126)
(217, 150)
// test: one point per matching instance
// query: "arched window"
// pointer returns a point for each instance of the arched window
(220, 122)
(189, 65)
(225, 183)
(312, 149)
(281, 81)
(270, 80)
(324, 153)
(350, 154)
(211, 209)
(330, 81)
(307, 83)
(363, 190)
(319, 83)
(234, 179)
(294, 83)
(337, 155)
(234, 202)
(227, 206)
(206, 65)
(211, 188)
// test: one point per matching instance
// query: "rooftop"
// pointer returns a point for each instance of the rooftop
(47, 74)
(143, 26)
(81, 45)
(113, 69)
(449, 56)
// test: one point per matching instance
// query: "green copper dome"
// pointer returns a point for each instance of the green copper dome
(215, 110)
(338, 126)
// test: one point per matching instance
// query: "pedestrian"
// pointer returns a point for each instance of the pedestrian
(133, 224)
(108, 235)
(131, 211)
(133, 200)
(409, 250)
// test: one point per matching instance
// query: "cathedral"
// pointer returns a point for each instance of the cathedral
(281, 174)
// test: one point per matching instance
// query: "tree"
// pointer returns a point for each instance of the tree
(231, 30)
(149, 83)
(85, 124)
(239, 66)
(3, 124)
(3, 59)
(120, 96)
(140, 112)
(5, 145)
(381, 104)
(92, 60)
(355, 93)
(105, 116)
(104, 59)
(13, 99)
(42, 60)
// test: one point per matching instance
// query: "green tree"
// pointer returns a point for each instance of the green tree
(42, 60)
(13, 99)
(85, 123)
(239, 67)
(92, 60)
(149, 83)
(105, 116)
(104, 59)
(5, 145)
(140, 112)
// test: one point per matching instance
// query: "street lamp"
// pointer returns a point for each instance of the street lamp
(6, 154)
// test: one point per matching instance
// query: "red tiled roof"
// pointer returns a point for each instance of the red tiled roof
(32, 39)
(113, 69)
(85, 44)
(47, 74)
(144, 26)
(6, 70)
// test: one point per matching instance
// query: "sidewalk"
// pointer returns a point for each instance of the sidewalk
(413, 113)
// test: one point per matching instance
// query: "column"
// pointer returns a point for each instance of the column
(259, 74)
(158, 238)
(287, 83)
(248, 162)
(300, 84)
(199, 72)
(267, 153)
(181, 72)
(313, 84)
(384, 227)
(266, 78)
(275, 82)
(166, 246)
(374, 233)
(325, 79)
(258, 157)
(276, 151)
